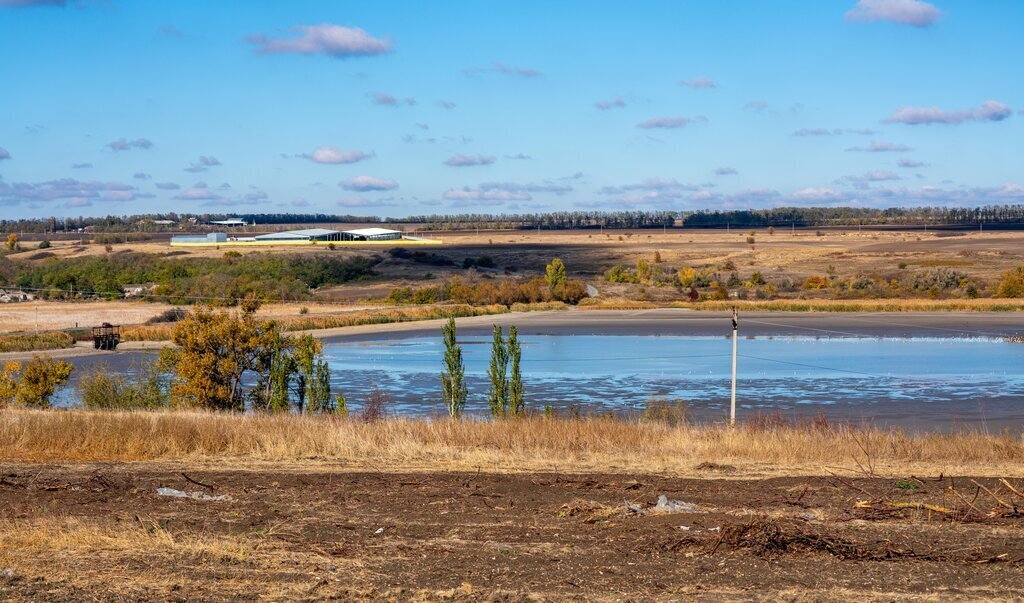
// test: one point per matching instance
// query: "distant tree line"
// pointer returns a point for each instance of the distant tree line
(560, 220)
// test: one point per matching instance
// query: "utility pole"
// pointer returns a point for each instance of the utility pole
(735, 337)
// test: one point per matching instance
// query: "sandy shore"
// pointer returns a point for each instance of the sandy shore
(672, 321)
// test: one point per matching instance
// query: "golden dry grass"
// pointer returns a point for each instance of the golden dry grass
(529, 444)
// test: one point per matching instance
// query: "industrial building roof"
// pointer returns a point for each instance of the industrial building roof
(370, 232)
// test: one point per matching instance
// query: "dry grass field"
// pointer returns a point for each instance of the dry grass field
(783, 255)
(314, 508)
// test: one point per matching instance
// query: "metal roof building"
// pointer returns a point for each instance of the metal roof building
(324, 234)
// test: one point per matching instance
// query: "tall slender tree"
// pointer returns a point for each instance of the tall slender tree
(453, 378)
(516, 403)
(497, 397)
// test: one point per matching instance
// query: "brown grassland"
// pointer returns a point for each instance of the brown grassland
(539, 508)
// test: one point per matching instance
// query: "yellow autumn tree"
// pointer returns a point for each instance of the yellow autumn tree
(33, 384)
(215, 351)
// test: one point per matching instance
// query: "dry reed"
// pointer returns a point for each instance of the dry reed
(533, 443)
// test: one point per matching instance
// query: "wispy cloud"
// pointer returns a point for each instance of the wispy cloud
(444, 104)
(460, 160)
(141, 176)
(669, 122)
(881, 147)
(817, 195)
(519, 157)
(327, 39)
(911, 163)
(808, 132)
(368, 183)
(907, 12)
(502, 68)
(385, 99)
(494, 193)
(699, 83)
(81, 166)
(4, 154)
(363, 202)
(167, 186)
(123, 144)
(757, 105)
(68, 188)
(615, 103)
(988, 111)
(333, 156)
(202, 164)
(863, 180)
(26, 3)
(726, 171)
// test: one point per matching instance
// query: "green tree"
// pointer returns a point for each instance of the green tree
(516, 404)
(453, 378)
(555, 273)
(497, 397)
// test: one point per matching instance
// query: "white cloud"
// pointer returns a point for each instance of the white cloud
(460, 160)
(331, 40)
(699, 83)
(123, 144)
(668, 122)
(881, 147)
(907, 12)
(202, 164)
(615, 103)
(334, 156)
(502, 68)
(368, 183)
(988, 111)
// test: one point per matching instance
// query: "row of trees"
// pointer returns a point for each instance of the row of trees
(218, 281)
(506, 394)
(561, 220)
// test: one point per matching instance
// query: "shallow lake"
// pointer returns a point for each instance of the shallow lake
(934, 383)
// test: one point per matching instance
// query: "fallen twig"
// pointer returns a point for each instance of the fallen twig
(196, 482)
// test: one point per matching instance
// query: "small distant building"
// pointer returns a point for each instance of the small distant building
(136, 290)
(211, 238)
(13, 296)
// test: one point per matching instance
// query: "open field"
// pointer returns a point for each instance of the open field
(588, 253)
(549, 509)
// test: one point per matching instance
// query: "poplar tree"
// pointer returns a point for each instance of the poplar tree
(497, 397)
(516, 403)
(453, 378)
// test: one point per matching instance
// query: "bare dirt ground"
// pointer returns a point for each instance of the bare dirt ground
(77, 532)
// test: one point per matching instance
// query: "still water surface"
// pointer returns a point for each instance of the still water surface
(904, 381)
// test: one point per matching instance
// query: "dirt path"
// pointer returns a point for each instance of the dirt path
(102, 532)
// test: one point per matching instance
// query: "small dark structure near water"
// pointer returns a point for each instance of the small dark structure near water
(106, 336)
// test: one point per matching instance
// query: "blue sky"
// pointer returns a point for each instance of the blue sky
(401, 108)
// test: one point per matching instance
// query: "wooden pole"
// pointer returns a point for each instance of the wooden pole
(735, 337)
